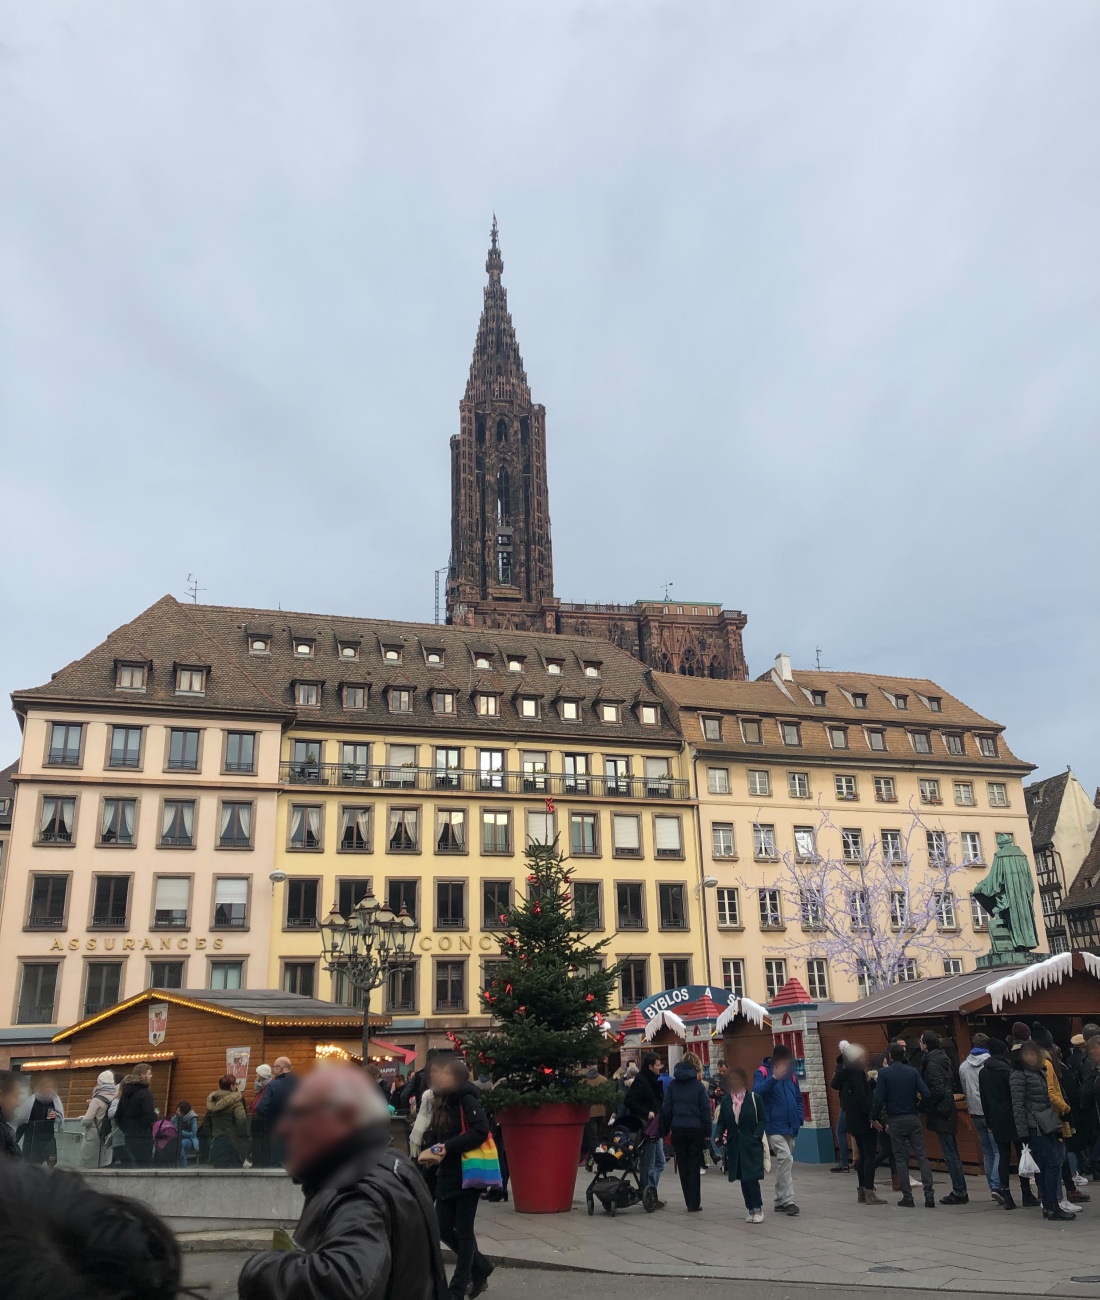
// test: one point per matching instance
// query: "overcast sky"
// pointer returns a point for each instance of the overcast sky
(810, 291)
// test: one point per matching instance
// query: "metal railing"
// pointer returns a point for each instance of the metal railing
(35, 1014)
(471, 781)
(45, 922)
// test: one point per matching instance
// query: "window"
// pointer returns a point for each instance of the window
(448, 768)
(488, 706)
(667, 838)
(944, 901)
(952, 966)
(805, 845)
(304, 647)
(721, 834)
(450, 830)
(483, 659)
(859, 908)
(355, 697)
(177, 823)
(496, 832)
(893, 851)
(403, 894)
(55, 824)
(987, 746)
(771, 909)
(798, 785)
(555, 666)
(230, 904)
(102, 986)
(886, 790)
(307, 694)
(350, 892)
(190, 681)
(935, 703)
(630, 906)
(817, 699)
(226, 974)
(712, 728)
(838, 737)
(906, 972)
(998, 794)
(760, 783)
(675, 972)
(672, 908)
(300, 977)
(811, 909)
(864, 979)
(403, 830)
(64, 748)
(354, 763)
(609, 713)
(617, 771)
(979, 917)
(851, 844)
(301, 904)
(633, 985)
(971, 846)
(443, 702)
(400, 699)
(588, 903)
(964, 794)
(540, 827)
(817, 978)
(954, 743)
(751, 732)
(791, 733)
(49, 894)
(930, 790)
(392, 654)
(528, 706)
(899, 908)
(401, 989)
(130, 677)
(348, 649)
(496, 902)
(183, 750)
(845, 787)
(450, 904)
(571, 710)
(37, 993)
(259, 645)
(763, 841)
(166, 974)
(305, 826)
(576, 773)
(775, 976)
(728, 902)
(937, 847)
(241, 752)
(450, 986)
(344, 992)
(116, 822)
(171, 903)
(515, 664)
(658, 777)
(110, 902)
(583, 840)
(650, 715)
(534, 766)
(922, 742)
(491, 769)
(901, 702)
(125, 747)
(733, 976)
(626, 835)
(876, 739)
(592, 669)
(859, 699)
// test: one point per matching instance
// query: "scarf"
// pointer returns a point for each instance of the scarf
(738, 1099)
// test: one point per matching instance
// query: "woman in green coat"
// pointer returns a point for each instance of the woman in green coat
(741, 1127)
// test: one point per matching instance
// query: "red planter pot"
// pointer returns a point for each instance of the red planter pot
(543, 1148)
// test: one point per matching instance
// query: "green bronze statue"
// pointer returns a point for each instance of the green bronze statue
(1006, 894)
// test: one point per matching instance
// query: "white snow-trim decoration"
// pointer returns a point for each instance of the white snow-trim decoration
(1031, 979)
(752, 1012)
(662, 1020)
(1092, 963)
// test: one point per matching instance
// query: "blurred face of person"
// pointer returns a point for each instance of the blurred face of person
(9, 1100)
(1093, 1049)
(324, 1112)
(1030, 1057)
(738, 1080)
(44, 1088)
(448, 1080)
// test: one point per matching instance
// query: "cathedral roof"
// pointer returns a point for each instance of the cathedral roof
(496, 371)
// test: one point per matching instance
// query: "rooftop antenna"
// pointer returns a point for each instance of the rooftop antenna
(193, 588)
(446, 569)
(818, 655)
(668, 588)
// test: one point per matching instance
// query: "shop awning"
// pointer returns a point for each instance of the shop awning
(392, 1050)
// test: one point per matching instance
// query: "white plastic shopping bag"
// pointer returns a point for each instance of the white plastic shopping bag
(1029, 1167)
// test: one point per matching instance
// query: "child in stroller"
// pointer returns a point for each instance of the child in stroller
(617, 1183)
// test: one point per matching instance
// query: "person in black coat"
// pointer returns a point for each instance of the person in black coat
(644, 1103)
(9, 1104)
(856, 1094)
(135, 1115)
(996, 1094)
(458, 1124)
(940, 1113)
(688, 1118)
(272, 1103)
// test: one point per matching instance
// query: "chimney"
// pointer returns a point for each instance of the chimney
(783, 668)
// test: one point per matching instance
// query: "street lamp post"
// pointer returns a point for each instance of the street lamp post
(365, 947)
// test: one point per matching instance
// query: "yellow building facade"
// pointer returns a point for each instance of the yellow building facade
(801, 767)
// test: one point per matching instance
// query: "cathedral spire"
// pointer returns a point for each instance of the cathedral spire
(496, 371)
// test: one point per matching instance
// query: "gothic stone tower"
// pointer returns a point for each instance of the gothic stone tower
(502, 571)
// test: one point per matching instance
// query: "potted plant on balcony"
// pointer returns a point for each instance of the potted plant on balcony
(545, 997)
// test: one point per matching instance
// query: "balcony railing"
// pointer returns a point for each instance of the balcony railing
(108, 922)
(35, 1013)
(467, 780)
(45, 922)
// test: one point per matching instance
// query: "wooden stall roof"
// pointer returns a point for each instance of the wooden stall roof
(93, 1062)
(929, 997)
(270, 1007)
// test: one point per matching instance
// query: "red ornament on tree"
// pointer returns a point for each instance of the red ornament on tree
(589, 998)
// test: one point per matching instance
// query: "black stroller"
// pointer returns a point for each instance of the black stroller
(617, 1183)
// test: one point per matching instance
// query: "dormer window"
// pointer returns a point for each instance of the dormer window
(190, 681)
(515, 665)
(712, 728)
(130, 677)
(859, 700)
(609, 713)
(401, 699)
(259, 645)
(555, 666)
(650, 715)
(304, 647)
(954, 743)
(443, 703)
(791, 732)
(922, 742)
(592, 669)
(355, 697)
(751, 731)
(488, 706)
(838, 737)
(935, 703)
(348, 649)
(482, 660)
(571, 710)
(391, 654)
(987, 746)
(901, 701)
(434, 658)
(307, 695)
(817, 699)
(528, 706)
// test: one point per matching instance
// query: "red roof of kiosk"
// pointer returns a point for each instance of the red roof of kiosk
(792, 994)
(704, 1008)
(633, 1021)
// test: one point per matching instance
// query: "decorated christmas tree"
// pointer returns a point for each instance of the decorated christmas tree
(548, 995)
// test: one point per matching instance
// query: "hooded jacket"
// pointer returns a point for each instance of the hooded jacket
(94, 1122)
(367, 1232)
(995, 1091)
(940, 1077)
(1029, 1096)
(228, 1121)
(782, 1100)
(459, 1123)
(686, 1104)
(135, 1112)
(969, 1072)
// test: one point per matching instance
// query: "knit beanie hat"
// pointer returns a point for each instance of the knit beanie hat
(1020, 1032)
(997, 1047)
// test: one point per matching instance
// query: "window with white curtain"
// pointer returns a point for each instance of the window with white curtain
(626, 836)
(667, 838)
(230, 903)
(116, 825)
(56, 822)
(305, 826)
(226, 974)
(171, 902)
(540, 828)
(354, 829)
(403, 830)
(177, 823)
(450, 830)
(236, 826)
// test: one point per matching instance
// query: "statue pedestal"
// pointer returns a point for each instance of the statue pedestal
(1014, 957)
